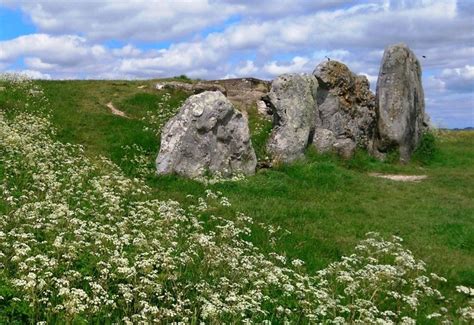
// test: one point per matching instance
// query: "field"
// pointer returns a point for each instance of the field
(314, 212)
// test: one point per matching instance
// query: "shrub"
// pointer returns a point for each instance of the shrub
(427, 149)
(183, 77)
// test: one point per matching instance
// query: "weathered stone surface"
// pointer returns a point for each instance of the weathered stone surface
(346, 106)
(292, 97)
(323, 140)
(244, 93)
(345, 147)
(208, 86)
(174, 85)
(196, 88)
(207, 135)
(264, 110)
(400, 102)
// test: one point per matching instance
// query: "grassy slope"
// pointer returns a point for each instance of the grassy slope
(326, 204)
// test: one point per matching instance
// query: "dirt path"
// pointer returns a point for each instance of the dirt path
(400, 178)
(116, 111)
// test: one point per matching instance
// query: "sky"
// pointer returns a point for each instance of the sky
(214, 39)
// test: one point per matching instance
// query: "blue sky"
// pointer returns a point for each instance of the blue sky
(111, 39)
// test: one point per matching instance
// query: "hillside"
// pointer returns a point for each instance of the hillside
(325, 205)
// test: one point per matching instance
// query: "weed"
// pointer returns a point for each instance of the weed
(427, 149)
(183, 77)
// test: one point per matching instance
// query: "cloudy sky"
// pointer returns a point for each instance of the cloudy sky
(112, 39)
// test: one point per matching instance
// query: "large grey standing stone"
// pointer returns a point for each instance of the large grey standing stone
(292, 97)
(346, 107)
(400, 102)
(207, 135)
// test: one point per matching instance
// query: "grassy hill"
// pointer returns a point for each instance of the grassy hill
(324, 204)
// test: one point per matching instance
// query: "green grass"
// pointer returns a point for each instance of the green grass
(325, 203)
(260, 129)
(81, 116)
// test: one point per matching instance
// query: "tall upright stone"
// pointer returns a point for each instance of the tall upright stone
(292, 97)
(400, 103)
(208, 135)
(346, 109)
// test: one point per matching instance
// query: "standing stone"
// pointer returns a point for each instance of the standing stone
(345, 148)
(346, 107)
(203, 86)
(400, 102)
(292, 97)
(207, 135)
(263, 110)
(244, 93)
(323, 140)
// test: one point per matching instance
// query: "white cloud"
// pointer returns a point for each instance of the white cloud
(459, 79)
(62, 57)
(63, 50)
(183, 58)
(148, 20)
(297, 65)
(247, 70)
(33, 74)
(434, 84)
(127, 51)
(299, 28)
(37, 63)
(276, 9)
(450, 110)
(466, 73)
(246, 36)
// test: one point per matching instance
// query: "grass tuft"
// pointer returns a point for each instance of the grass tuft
(427, 149)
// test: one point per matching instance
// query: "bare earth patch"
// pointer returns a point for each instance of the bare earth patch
(400, 178)
(116, 111)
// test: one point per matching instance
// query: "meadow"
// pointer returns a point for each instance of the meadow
(89, 233)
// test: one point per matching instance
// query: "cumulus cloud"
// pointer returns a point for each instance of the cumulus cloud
(247, 69)
(451, 110)
(127, 51)
(181, 58)
(297, 65)
(459, 79)
(298, 28)
(276, 9)
(33, 74)
(148, 20)
(63, 56)
(66, 50)
(37, 63)
(466, 73)
(434, 84)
